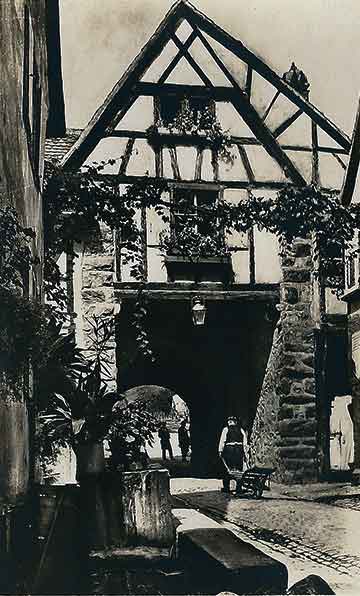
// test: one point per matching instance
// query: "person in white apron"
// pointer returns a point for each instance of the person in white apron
(232, 449)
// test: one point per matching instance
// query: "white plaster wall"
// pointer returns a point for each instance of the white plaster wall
(77, 286)
(334, 306)
(267, 261)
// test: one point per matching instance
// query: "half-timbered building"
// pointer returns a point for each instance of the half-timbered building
(271, 334)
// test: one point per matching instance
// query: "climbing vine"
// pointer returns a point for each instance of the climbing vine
(189, 240)
(76, 202)
(201, 123)
(23, 321)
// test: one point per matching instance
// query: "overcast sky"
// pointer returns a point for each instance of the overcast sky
(101, 37)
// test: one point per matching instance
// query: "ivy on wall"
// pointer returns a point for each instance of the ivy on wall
(23, 321)
(198, 123)
(92, 196)
(74, 203)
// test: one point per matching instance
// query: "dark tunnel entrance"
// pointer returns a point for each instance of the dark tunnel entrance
(217, 369)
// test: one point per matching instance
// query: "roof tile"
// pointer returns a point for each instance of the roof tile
(56, 148)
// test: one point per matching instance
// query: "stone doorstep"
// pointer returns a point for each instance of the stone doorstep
(130, 557)
(215, 552)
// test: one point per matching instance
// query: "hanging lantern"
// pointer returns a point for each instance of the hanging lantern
(198, 311)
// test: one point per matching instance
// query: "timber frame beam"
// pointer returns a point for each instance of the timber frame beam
(192, 62)
(169, 139)
(198, 19)
(177, 291)
(246, 111)
(126, 90)
(240, 184)
(157, 89)
(120, 97)
(167, 72)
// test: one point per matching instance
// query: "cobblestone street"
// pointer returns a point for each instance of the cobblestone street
(308, 529)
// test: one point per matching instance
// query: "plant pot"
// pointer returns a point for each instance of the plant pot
(205, 269)
(121, 463)
(137, 465)
(90, 459)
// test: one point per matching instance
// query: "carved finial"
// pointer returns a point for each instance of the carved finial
(297, 80)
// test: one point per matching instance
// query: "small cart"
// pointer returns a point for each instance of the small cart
(252, 481)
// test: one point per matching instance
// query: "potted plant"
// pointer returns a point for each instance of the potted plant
(81, 421)
(130, 430)
(191, 255)
(80, 415)
(200, 124)
(91, 414)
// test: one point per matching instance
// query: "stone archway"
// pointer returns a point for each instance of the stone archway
(217, 369)
(166, 406)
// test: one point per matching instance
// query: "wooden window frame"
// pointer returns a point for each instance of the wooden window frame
(211, 187)
(352, 267)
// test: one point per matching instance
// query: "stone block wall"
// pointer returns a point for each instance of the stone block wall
(94, 289)
(264, 435)
(297, 427)
(285, 428)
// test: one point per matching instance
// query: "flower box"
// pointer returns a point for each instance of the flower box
(203, 269)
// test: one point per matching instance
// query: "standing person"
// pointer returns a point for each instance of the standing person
(184, 440)
(232, 446)
(164, 436)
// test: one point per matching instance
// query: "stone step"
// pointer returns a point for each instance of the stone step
(188, 519)
(137, 570)
(130, 557)
(220, 561)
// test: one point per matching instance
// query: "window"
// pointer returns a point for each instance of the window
(350, 271)
(352, 264)
(333, 265)
(198, 105)
(169, 106)
(191, 204)
(32, 95)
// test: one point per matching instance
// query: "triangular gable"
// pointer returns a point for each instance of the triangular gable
(125, 91)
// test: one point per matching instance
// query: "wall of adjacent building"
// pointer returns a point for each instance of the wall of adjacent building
(20, 184)
(354, 374)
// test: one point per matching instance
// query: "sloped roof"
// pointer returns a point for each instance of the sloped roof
(129, 88)
(352, 172)
(57, 147)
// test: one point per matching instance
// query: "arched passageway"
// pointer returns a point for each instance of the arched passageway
(217, 369)
(166, 407)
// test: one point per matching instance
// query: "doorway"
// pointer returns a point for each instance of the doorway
(341, 434)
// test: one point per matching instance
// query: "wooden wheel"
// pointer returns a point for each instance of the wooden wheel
(258, 489)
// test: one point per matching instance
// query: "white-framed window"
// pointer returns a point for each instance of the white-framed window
(191, 203)
(352, 265)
